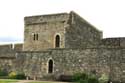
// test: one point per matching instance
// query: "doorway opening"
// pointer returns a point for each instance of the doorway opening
(50, 66)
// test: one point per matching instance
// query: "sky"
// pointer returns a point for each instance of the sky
(106, 15)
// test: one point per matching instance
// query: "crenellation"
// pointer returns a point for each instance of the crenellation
(113, 42)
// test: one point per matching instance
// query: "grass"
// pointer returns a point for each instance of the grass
(39, 82)
(14, 81)
(36, 82)
(7, 81)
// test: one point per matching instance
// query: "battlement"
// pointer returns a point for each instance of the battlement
(117, 42)
(11, 47)
(18, 47)
(46, 18)
(5, 48)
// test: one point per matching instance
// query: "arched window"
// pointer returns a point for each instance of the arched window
(50, 66)
(57, 41)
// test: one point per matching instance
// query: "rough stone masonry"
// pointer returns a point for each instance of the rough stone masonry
(62, 44)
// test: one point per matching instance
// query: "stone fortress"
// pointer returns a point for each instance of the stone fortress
(62, 44)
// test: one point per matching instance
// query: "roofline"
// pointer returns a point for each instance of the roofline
(86, 21)
(54, 14)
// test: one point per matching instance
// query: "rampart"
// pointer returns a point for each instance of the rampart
(109, 61)
(113, 42)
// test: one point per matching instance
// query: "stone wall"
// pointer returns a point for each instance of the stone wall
(7, 55)
(18, 47)
(47, 27)
(113, 42)
(11, 47)
(67, 61)
(90, 53)
(74, 32)
(6, 48)
(80, 33)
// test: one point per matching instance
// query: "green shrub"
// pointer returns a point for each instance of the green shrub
(104, 78)
(93, 80)
(85, 78)
(3, 73)
(15, 75)
(20, 76)
(79, 76)
(12, 75)
(83, 81)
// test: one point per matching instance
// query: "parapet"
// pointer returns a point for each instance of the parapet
(5, 48)
(114, 42)
(10, 47)
(18, 47)
(46, 18)
(6, 51)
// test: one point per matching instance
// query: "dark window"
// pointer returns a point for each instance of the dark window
(57, 42)
(35, 36)
(50, 66)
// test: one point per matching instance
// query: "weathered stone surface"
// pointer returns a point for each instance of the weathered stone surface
(18, 47)
(74, 32)
(81, 34)
(47, 27)
(81, 49)
(68, 61)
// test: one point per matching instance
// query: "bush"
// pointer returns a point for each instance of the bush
(93, 80)
(15, 75)
(85, 78)
(79, 76)
(103, 79)
(83, 81)
(3, 73)
(20, 76)
(12, 75)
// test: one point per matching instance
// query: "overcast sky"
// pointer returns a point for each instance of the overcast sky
(106, 15)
